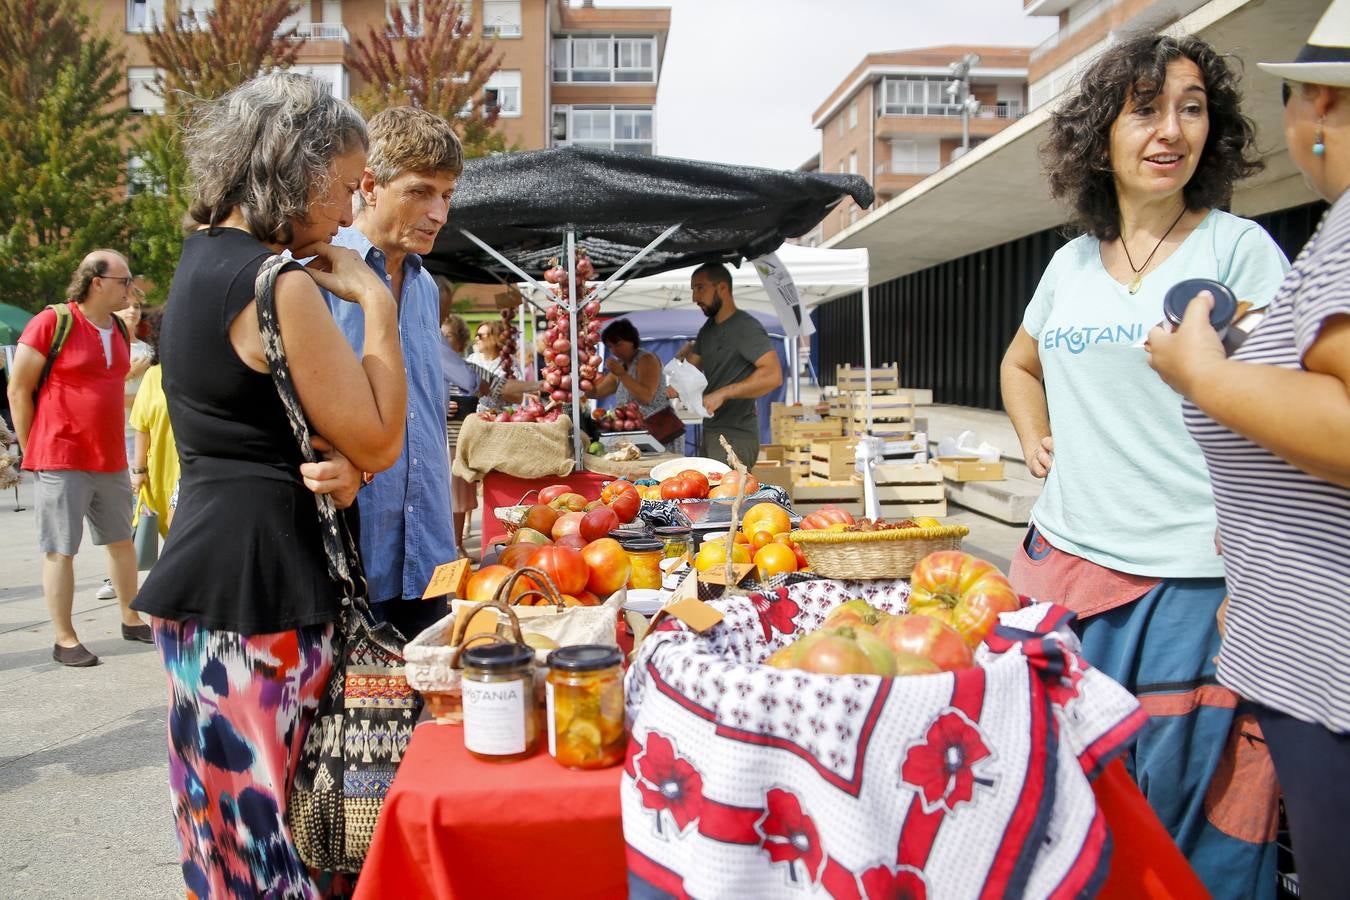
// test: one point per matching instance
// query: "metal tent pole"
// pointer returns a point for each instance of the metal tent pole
(794, 351)
(637, 257)
(574, 306)
(493, 252)
(867, 353)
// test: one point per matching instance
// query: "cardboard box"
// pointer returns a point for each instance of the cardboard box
(776, 473)
(970, 468)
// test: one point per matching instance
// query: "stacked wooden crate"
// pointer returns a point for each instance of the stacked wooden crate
(892, 409)
(793, 427)
(910, 489)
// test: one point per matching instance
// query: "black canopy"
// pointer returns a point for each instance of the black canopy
(521, 204)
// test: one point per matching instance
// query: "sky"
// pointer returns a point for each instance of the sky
(742, 77)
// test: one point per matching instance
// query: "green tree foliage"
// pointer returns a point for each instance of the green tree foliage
(60, 157)
(430, 58)
(198, 56)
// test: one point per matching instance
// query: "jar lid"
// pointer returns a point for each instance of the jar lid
(641, 545)
(628, 533)
(673, 531)
(585, 658)
(1179, 296)
(493, 657)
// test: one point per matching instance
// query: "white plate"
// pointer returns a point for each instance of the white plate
(698, 463)
(645, 600)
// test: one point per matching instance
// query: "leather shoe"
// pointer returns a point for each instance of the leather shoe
(140, 633)
(77, 656)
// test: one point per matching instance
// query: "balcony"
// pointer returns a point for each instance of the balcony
(320, 31)
(945, 119)
(1089, 15)
(899, 175)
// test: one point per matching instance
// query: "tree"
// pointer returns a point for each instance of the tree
(429, 57)
(197, 56)
(61, 160)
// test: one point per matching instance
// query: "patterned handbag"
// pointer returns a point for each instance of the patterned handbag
(365, 719)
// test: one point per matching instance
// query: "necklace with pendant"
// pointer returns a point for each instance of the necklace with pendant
(1139, 272)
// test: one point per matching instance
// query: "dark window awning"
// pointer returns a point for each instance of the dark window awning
(521, 204)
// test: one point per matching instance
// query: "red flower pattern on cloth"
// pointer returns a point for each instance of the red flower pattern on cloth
(942, 765)
(901, 883)
(776, 613)
(789, 834)
(1065, 687)
(668, 781)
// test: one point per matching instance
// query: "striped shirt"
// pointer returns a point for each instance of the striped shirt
(1285, 534)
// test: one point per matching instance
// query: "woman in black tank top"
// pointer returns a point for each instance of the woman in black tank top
(241, 601)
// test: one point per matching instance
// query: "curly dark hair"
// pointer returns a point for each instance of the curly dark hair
(151, 320)
(620, 330)
(1078, 153)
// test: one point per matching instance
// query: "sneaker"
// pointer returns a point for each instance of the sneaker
(107, 591)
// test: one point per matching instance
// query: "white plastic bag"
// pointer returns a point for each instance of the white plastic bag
(689, 383)
(964, 445)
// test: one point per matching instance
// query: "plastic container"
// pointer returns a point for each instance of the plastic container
(501, 721)
(585, 714)
(678, 541)
(645, 555)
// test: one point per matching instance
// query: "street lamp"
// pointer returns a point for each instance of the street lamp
(959, 91)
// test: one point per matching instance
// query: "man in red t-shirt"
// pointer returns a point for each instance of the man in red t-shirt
(71, 437)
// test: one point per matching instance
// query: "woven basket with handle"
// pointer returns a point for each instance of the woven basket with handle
(874, 554)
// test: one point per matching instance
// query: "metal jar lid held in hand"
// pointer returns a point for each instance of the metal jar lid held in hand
(1179, 296)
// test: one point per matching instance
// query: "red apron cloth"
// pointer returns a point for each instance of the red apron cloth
(507, 490)
(454, 826)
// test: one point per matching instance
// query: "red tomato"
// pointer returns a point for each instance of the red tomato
(567, 523)
(824, 518)
(678, 487)
(961, 591)
(698, 480)
(483, 584)
(564, 565)
(622, 497)
(598, 522)
(552, 492)
(609, 566)
(843, 652)
(927, 637)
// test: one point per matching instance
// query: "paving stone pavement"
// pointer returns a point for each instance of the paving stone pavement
(84, 804)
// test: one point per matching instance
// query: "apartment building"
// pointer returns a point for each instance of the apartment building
(898, 117)
(571, 73)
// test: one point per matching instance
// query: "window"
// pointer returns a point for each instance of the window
(604, 59)
(140, 181)
(917, 97)
(143, 15)
(853, 163)
(412, 27)
(503, 91)
(501, 18)
(142, 94)
(333, 75)
(629, 128)
(853, 114)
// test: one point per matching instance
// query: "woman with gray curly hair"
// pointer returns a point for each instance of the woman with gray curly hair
(1144, 153)
(242, 602)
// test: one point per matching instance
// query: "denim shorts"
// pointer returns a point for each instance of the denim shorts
(66, 497)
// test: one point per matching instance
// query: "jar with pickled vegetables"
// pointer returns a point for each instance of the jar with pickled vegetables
(677, 540)
(644, 555)
(500, 719)
(585, 706)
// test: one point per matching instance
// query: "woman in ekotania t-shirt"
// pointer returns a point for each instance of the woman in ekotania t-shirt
(1274, 424)
(1123, 533)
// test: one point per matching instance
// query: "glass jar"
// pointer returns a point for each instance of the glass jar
(500, 719)
(585, 706)
(644, 555)
(678, 541)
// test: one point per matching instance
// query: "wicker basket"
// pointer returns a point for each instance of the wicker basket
(874, 554)
(512, 517)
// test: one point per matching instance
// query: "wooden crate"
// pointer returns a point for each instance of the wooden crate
(772, 453)
(797, 431)
(886, 378)
(969, 468)
(833, 459)
(910, 489)
(776, 473)
(811, 495)
(885, 407)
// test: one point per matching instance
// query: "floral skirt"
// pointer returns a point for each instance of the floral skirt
(239, 708)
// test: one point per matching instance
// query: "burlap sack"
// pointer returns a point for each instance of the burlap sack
(522, 449)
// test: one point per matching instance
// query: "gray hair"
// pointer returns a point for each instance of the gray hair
(265, 148)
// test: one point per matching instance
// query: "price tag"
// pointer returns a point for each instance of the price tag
(448, 578)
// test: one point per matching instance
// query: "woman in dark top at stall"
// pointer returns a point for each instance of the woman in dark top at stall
(243, 607)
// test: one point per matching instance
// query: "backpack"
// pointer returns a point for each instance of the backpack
(65, 319)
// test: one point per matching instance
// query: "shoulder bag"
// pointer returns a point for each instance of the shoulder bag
(366, 715)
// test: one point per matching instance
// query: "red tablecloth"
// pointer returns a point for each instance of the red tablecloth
(507, 490)
(456, 827)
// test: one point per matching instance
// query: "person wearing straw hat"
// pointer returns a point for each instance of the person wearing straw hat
(1273, 421)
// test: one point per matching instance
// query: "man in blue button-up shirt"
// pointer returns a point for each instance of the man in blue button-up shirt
(406, 519)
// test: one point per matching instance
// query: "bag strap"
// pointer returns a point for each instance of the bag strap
(338, 547)
(64, 322)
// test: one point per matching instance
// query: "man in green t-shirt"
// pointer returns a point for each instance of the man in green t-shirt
(736, 355)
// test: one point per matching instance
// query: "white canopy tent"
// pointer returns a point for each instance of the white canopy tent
(819, 274)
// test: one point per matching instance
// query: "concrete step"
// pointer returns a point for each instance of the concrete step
(1009, 500)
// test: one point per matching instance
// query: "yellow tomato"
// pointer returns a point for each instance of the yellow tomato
(768, 517)
(773, 559)
(712, 554)
(927, 522)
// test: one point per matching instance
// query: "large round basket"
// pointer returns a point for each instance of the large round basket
(875, 554)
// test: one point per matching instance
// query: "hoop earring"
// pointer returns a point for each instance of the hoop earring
(1318, 148)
